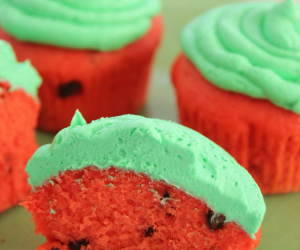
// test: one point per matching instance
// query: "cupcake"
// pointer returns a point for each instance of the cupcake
(18, 117)
(131, 182)
(92, 55)
(237, 82)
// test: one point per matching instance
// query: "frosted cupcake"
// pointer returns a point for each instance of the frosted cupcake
(18, 118)
(131, 182)
(237, 82)
(92, 55)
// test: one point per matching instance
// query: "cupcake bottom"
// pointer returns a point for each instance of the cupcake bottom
(115, 209)
(262, 137)
(99, 84)
(18, 117)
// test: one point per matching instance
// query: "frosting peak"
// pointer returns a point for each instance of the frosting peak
(164, 151)
(77, 120)
(285, 33)
(251, 48)
(289, 8)
(18, 75)
(82, 24)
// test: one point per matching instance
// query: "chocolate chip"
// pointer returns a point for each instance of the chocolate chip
(69, 89)
(169, 214)
(166, 195)
(208, 216)
(149, 232)
(215, 222)
(77, 244)
(54, 248)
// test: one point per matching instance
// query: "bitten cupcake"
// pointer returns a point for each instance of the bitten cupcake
(18, 118)
(238, 83)
(131, 182)
(92, 55)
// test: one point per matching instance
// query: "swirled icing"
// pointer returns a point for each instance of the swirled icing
(250, 48)
(90, 24)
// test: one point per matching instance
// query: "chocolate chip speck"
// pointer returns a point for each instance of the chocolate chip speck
(215, 222)
(68, 89)
(166, 195)
(208, 216)
(78, 244)
(149, 232)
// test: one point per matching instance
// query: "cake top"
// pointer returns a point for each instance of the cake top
(251, 48)
(90, 24)
(164, 151)
(18, 74)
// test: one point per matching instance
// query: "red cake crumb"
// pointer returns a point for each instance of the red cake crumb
(18, 118)
(113, 209)
(99, 84)
(263, 138)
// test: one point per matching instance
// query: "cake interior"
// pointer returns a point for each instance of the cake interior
(119, 209)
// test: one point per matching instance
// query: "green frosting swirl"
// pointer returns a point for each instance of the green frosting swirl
(164, 151)
(18, 75)
(251, 48)
(82, 24)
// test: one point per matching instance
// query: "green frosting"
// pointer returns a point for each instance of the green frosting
(161, 149)
(250, 48)
(18, 75)
(82, 24)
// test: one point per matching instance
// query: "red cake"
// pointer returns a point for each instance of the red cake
(262, 137)
(18, 115)
(241, 88)
(132, 183)
(103, 73)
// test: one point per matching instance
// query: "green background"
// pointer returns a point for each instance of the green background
(281, 226)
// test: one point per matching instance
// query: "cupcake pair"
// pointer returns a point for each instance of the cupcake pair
(92, 55)
(237, 82)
